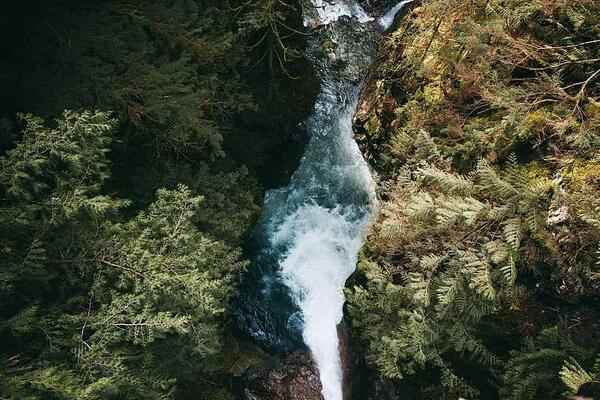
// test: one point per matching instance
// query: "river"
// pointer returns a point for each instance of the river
(311, 231)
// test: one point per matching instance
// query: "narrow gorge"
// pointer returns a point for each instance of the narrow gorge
(300, 200)
(311, 230)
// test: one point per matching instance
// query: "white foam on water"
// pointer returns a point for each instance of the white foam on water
(319, 220)
(316, 267)
(322, 246)
(388, 18)
(328, 11)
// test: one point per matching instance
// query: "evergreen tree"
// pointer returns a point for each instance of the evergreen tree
(94, 306)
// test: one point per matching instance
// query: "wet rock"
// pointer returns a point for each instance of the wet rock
(376, 7)
(295, 378)
(345, 358)
(558, 216)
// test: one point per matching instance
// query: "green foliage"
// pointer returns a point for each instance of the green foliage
(106, 298)
(271, 24)
(533, 370)
(175, 279)
(52, 159)
(50, 183)
(94, 306)
(574, 376)
(486, 140)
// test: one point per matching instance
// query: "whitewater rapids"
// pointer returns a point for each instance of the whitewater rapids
(312, 230)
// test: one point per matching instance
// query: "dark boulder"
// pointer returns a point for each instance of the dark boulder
(295, 378)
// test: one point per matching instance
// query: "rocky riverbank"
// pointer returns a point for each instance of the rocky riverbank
(295, 378)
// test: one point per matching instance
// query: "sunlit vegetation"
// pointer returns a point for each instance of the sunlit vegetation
(482, 273)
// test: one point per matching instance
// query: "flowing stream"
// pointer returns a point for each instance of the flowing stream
(311, 230)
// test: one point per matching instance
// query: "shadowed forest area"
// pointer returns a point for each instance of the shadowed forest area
(123, 219)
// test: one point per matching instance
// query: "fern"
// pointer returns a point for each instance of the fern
(531, 220)
(453, 210)
(421, 206)
(491, 182)
(479, 275)
(473, 310)
(574, 376)
(35, 257)
(431, 262)
(500, 212)
(447, 289)
(457, 385)
(489, 213)
(447, 182)
(512, 234)
(497, 251)
(513, 174)
(464, 342)
(531, 373)
(539, 188)
(426, 149)
(421, 286)
(509, 272)
(400, 144)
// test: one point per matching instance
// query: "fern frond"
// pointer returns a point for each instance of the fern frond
(512, 233)
(421, 206)
(479, 275)
(531, 220)
(447, 182)
(400, 144)
(474, 311)
(36, 255)
(431, 262)
(464, 342)
(390, 229)
(539, 187)
(509, 272)
(421, 286)
(458, 385)
(500, 213)
(447, 288)
(574, 376)
(497, 251)
(452, 210)
(491, 182)
(426, 149)
(422, 282)
(514, 175)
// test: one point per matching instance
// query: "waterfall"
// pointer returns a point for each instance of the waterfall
(386, 21)
(311, 231)
(320, 219)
